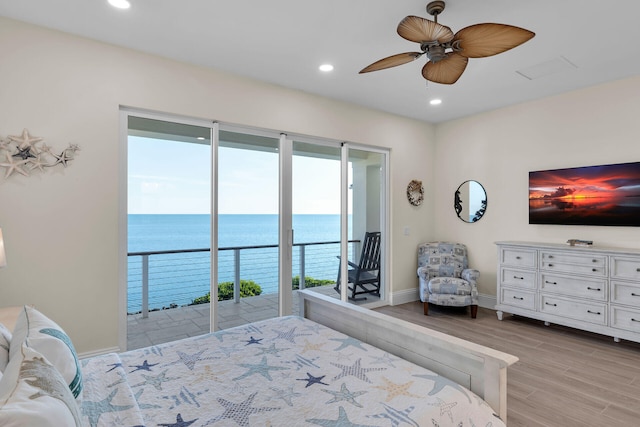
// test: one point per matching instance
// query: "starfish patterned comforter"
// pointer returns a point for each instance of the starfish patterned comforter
(287, 371)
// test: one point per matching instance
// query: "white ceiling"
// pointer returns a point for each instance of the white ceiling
(284, 41)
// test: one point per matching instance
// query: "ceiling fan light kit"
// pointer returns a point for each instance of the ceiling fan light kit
(449, 53)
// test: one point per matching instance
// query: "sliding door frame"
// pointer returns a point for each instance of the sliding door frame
(213, 285)
(285, 234)
(344, 220)
(123, 174)
(385, 219)
(285, 231)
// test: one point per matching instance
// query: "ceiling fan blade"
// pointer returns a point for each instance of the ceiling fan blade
(446, 71)
(392, 61)
(419, 30)
(482, 40)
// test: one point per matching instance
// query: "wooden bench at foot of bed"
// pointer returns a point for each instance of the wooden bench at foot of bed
(481, 369)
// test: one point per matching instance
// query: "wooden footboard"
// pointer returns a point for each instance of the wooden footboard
(478, 368)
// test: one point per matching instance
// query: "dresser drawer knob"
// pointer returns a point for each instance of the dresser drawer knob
(634, 320)
(519, 298)
(593, 289)
(553, 305)
(550, 256)
(594, 260)
(593, 312)
(550, 265)
(518, 257)
(633, 294)
(519, 278)
(594, 269)
(550, 283)
(638, 270)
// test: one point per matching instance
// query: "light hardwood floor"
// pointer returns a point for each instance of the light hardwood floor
(564, 378)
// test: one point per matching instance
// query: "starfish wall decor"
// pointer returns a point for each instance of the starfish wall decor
(20, 154)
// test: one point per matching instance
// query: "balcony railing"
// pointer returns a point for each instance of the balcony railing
(172, 278)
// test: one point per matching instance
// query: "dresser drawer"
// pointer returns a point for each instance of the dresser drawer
(517, 257)
(625, 318)
(625, 293)
(518, 278)
(590, 288)
(518, 298)
(594, 265)
(573, 309)
(625, 268)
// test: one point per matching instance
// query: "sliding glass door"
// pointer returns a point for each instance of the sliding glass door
(316, 216)
(248, 227)
(168, 229)
(367, 229)
(228, 223)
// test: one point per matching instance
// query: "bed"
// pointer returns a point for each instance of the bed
(334, 365)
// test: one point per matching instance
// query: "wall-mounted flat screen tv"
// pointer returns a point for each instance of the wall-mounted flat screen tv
(589, 195)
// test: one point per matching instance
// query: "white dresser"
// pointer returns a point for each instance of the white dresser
(592, 288)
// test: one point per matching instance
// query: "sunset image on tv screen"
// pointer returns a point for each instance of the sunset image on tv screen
(590, 195)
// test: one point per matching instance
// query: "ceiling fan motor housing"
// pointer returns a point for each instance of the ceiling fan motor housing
(435, 51)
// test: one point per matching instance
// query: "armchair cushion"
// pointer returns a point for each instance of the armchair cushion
(449, 285)
(450, 300)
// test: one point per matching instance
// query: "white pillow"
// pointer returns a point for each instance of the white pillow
(5, 340)
(47, 338)
(33, 393)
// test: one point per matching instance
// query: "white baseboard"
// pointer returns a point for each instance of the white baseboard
(98, 352)
(487, 301)
(411, 295)
(403, 297)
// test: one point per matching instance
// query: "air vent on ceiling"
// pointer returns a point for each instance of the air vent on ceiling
(553, 66)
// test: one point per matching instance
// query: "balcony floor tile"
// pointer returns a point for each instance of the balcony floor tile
(177, 323)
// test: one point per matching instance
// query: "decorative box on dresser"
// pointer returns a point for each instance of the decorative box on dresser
(592, 288)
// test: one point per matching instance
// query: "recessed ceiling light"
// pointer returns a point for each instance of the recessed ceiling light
(200, 138)
(120, 4)
(326, 68)
(435, 101)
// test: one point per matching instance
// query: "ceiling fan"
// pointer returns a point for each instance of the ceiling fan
(448, 53)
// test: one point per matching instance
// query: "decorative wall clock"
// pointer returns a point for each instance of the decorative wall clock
(415, 192)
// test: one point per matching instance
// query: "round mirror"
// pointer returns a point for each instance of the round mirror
(470, 201)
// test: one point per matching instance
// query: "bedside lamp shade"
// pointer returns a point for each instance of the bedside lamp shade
(3, 258)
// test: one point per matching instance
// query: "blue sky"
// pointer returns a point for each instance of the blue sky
(174, 178)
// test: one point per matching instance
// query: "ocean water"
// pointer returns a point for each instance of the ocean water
(179, 278)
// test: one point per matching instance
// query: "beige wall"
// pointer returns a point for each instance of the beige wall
(598, 125)
(61, 227)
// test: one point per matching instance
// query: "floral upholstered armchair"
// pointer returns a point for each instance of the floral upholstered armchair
(445, 276)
